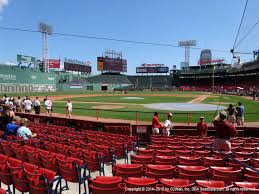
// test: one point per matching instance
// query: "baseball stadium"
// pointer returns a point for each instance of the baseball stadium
(106, 126)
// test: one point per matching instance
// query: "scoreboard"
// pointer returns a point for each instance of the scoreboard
(111, 64)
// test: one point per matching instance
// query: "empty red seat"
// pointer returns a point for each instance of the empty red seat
(251, 175)
(234, 163)
(254, 162)
(39, 181)
(145, 152)
(213, 161)
(243, 154)
(139, 183)
(7, 149)
(192, 172)
(159, 171)
(166, 160)
(164, 153)
(227, 174)
(248, 187)
(219, 185)
(141, 159)
(128, 170)
(201, 153)
(105, 185)
(192, 161)
(183, 152)
(176, 182)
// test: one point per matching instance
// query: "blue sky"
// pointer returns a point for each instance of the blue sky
(213, 23)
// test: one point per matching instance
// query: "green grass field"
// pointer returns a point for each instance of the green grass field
(85, 106)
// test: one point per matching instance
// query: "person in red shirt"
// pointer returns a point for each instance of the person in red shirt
(156, 125)
(202, 128)
(224, 131)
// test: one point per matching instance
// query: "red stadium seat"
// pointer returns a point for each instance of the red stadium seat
(159, 171)
(213, 161)
(39, 181)
(128, 170)
(192, 172)
(176, 182)
(147, 183)
(246, 186)
(145, 152)
(105, 185)
(164, 152)
(251, 175)
(192, 161)
(227, 174)
(214, 185)
(140, 159)
(166, 160)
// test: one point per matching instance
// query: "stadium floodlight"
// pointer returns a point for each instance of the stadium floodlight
(187, 44)
(46, 30)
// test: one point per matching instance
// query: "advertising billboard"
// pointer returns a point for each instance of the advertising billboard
(25, 59)
(75, 65)
(152, 69)
(54, 63)
(111, 64)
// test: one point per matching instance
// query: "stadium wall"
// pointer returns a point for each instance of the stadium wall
(18, 80)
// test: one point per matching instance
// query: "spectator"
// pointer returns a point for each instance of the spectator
(23, 131)
(18, 104)
(12, 127)
(37, 105)
(202, 128)
(69, 109)
(156, 125)
(168, 125)
(231, 113)
(48, 106)
(224, 130)
(27, 105)
(9, 114)
(240, 114)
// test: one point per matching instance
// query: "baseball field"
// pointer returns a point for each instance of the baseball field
(142, 105)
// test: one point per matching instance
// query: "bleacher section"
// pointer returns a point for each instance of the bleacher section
(149, 82)
(116, 79)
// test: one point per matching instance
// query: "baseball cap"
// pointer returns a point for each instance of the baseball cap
(201, 117)
(170, 114)
(223, 115)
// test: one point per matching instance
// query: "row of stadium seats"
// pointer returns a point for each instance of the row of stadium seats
(69, 168)
(133, 185)
(25, 177)
(188, 171)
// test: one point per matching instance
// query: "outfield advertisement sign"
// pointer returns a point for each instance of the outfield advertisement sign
(54, 63)
(152, 69)
(26, 59)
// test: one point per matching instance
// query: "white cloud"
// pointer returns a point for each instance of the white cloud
(3, 3)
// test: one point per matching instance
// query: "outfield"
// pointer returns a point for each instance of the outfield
(110, 106)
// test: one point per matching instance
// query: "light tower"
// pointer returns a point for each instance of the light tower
(46, 30)
(187, 45)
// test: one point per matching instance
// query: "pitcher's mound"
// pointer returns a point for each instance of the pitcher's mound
(108, 107)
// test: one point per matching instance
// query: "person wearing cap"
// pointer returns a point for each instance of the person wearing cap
(69, 108)
(156, 125)
(224, 131)
(202, 128)
(23, 131)
(12, 127)
(168, 125)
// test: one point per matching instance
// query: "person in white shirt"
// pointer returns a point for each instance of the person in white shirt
(168, 125)
(27, 105)
(24, 132)
(37, 105)
(69, 109)
(48, 106)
